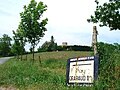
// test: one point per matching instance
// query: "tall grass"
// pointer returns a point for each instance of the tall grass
(50, 74)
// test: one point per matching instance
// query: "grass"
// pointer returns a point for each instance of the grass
(50, 74)
(64, 55)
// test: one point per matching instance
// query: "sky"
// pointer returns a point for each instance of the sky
(67, 21)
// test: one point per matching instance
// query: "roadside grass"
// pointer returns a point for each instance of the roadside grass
(50, 74)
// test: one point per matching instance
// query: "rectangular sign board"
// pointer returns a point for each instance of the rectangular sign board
(82, 70)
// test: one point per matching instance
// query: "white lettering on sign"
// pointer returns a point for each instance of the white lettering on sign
(81, 72)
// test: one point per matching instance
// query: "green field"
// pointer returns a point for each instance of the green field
(49, 74)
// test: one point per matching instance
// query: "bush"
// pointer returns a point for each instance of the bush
(107, 64)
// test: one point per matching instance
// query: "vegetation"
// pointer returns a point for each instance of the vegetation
(109, 66)
(52, 46)
(107, 14)
(49, 69)
(48, 46)
(19, 43)
(5, 45)
(32, 25)
(49, 74)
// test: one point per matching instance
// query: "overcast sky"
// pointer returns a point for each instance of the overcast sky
(67, 21)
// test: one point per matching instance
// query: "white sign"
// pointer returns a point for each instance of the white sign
(81, 72)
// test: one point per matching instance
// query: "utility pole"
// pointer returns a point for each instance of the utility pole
(94, 39)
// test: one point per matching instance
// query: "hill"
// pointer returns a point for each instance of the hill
(48, 74)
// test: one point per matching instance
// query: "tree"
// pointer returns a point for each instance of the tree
(45, 47)
(5, 45)
(107, 14)
(19, 42)
(16, 49)
(53, 45)
(33, 28)
(48, 46)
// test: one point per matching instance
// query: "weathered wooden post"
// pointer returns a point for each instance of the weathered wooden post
(39, 59)
(94, 39)
(26, 57)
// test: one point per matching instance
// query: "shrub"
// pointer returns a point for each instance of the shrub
(107, 64)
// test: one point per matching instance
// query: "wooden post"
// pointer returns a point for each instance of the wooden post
(26, 57)
(94, 40)
(39, 59)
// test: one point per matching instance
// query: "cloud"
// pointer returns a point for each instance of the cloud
(67, 21)
(4, 13)
(105, 35)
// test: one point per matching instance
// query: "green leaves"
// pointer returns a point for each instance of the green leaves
(107, 14)
(5, 45)
(108, 54)
(32, 29)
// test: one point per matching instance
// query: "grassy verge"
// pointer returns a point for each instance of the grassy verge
(49, 75)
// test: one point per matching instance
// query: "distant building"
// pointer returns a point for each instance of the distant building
(64, 43)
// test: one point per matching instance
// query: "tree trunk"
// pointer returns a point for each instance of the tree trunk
(18, 56)
(26, 57)
(39, 59)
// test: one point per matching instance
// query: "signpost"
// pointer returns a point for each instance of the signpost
(82, 71)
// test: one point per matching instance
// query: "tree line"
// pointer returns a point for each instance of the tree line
(7, 48)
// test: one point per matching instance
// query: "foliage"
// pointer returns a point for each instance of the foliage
(16, 48)
(107, 56)
(48, 46)
(32, 28)
(5, 45)
(53, 45)
(44, 47)
(61, 48)
(19, 43)
(107, 14)
(79, 48)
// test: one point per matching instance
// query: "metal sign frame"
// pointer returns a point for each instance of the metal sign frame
(95, 69)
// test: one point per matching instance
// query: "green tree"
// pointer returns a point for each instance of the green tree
(5, 45)
(16, 49)
(45, 47)
(48, 46)
(32, 24)
(107, 14)
(53, 45)
(19, 43)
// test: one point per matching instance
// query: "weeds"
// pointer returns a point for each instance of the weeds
(108, 60)
(50, 74)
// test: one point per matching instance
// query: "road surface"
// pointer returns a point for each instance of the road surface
(4, 59)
